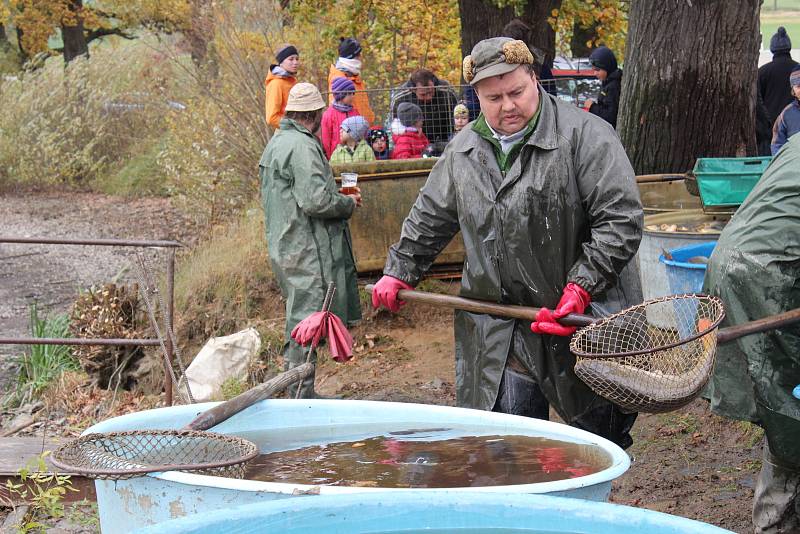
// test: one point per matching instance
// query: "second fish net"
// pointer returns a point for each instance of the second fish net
(653, 357)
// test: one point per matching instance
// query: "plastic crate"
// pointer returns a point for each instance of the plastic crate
(728, 181)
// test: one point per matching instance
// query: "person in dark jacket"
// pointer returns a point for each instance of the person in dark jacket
(435, 98)
(773, 78)
(607, 104)
(788, 122)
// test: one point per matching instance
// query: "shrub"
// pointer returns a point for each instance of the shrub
(44, 363)
(73, 125)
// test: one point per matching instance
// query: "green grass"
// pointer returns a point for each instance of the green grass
(44, 363)
(10, 61)
(782, 5)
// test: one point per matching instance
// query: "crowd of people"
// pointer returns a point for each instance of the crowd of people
(425, 112)
(432, 113)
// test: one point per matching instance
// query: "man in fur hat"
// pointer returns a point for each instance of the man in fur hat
(547, 204)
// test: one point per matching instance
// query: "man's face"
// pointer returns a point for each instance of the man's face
(509, 101)
(425, 92)
(796, 91)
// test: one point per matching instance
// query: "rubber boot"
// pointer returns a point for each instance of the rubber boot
(294, 355)
(610, 422)
(776, 503)
(519, 394)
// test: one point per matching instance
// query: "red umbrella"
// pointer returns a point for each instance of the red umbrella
(325, 325)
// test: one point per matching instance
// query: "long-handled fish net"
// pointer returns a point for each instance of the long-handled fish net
(653, 357)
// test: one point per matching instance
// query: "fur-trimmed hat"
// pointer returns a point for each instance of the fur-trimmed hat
(495, 57)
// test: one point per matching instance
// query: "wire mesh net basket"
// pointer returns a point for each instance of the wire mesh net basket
(653, 357)
(121, 455)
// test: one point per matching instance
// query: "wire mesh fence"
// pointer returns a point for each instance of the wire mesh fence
(417, 122)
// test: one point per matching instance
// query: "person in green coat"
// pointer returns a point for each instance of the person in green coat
(547, 205)
(755, 269)
(306, 218)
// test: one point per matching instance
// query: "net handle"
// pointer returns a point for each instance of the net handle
(481, 306)
(732, 333)
(221, 412)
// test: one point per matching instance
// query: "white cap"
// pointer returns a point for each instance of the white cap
(304, 97)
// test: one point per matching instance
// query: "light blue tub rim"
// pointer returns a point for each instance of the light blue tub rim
(411, 510)
(253, 418)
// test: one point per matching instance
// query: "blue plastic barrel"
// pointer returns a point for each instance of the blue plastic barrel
(684, 276)
(283, 424)
(440, 512)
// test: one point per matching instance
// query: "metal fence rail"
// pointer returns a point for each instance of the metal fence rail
(171, 246)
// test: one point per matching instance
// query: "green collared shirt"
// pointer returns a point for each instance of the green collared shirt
(505, 160)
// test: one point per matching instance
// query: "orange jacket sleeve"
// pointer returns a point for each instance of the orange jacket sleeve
(273, 105)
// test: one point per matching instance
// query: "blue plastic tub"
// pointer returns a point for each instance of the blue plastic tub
(683, 276)
(126, 505)
(434, 513)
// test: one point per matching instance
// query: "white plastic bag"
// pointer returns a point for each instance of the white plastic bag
(220, 359)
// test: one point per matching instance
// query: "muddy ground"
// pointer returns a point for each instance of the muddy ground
(690, 462)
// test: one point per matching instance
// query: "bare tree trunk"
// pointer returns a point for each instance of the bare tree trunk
(689, 88)
(544, 36)
(201, 30)
(581, 36)
(3, 36)
(480, 19)
(20, 36)
(73, 36)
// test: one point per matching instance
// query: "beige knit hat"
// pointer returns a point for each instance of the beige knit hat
(304, 97)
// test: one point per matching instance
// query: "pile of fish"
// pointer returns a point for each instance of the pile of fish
(708, 227)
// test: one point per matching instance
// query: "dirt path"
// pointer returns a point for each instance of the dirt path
(53, 275)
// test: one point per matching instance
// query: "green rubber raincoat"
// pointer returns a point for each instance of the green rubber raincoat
(567, 210)
(755, 269)
(307, 232)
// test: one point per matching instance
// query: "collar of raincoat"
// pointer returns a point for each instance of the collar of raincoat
(291, 124)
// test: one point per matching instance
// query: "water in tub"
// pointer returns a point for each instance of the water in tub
(418, 457)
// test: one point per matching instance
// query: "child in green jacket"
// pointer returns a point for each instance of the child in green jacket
(352, 146)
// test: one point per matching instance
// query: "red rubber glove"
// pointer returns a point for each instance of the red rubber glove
(385, 293)
(575, 299)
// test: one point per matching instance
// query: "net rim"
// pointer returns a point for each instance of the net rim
(75, 445)
(573, 345)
